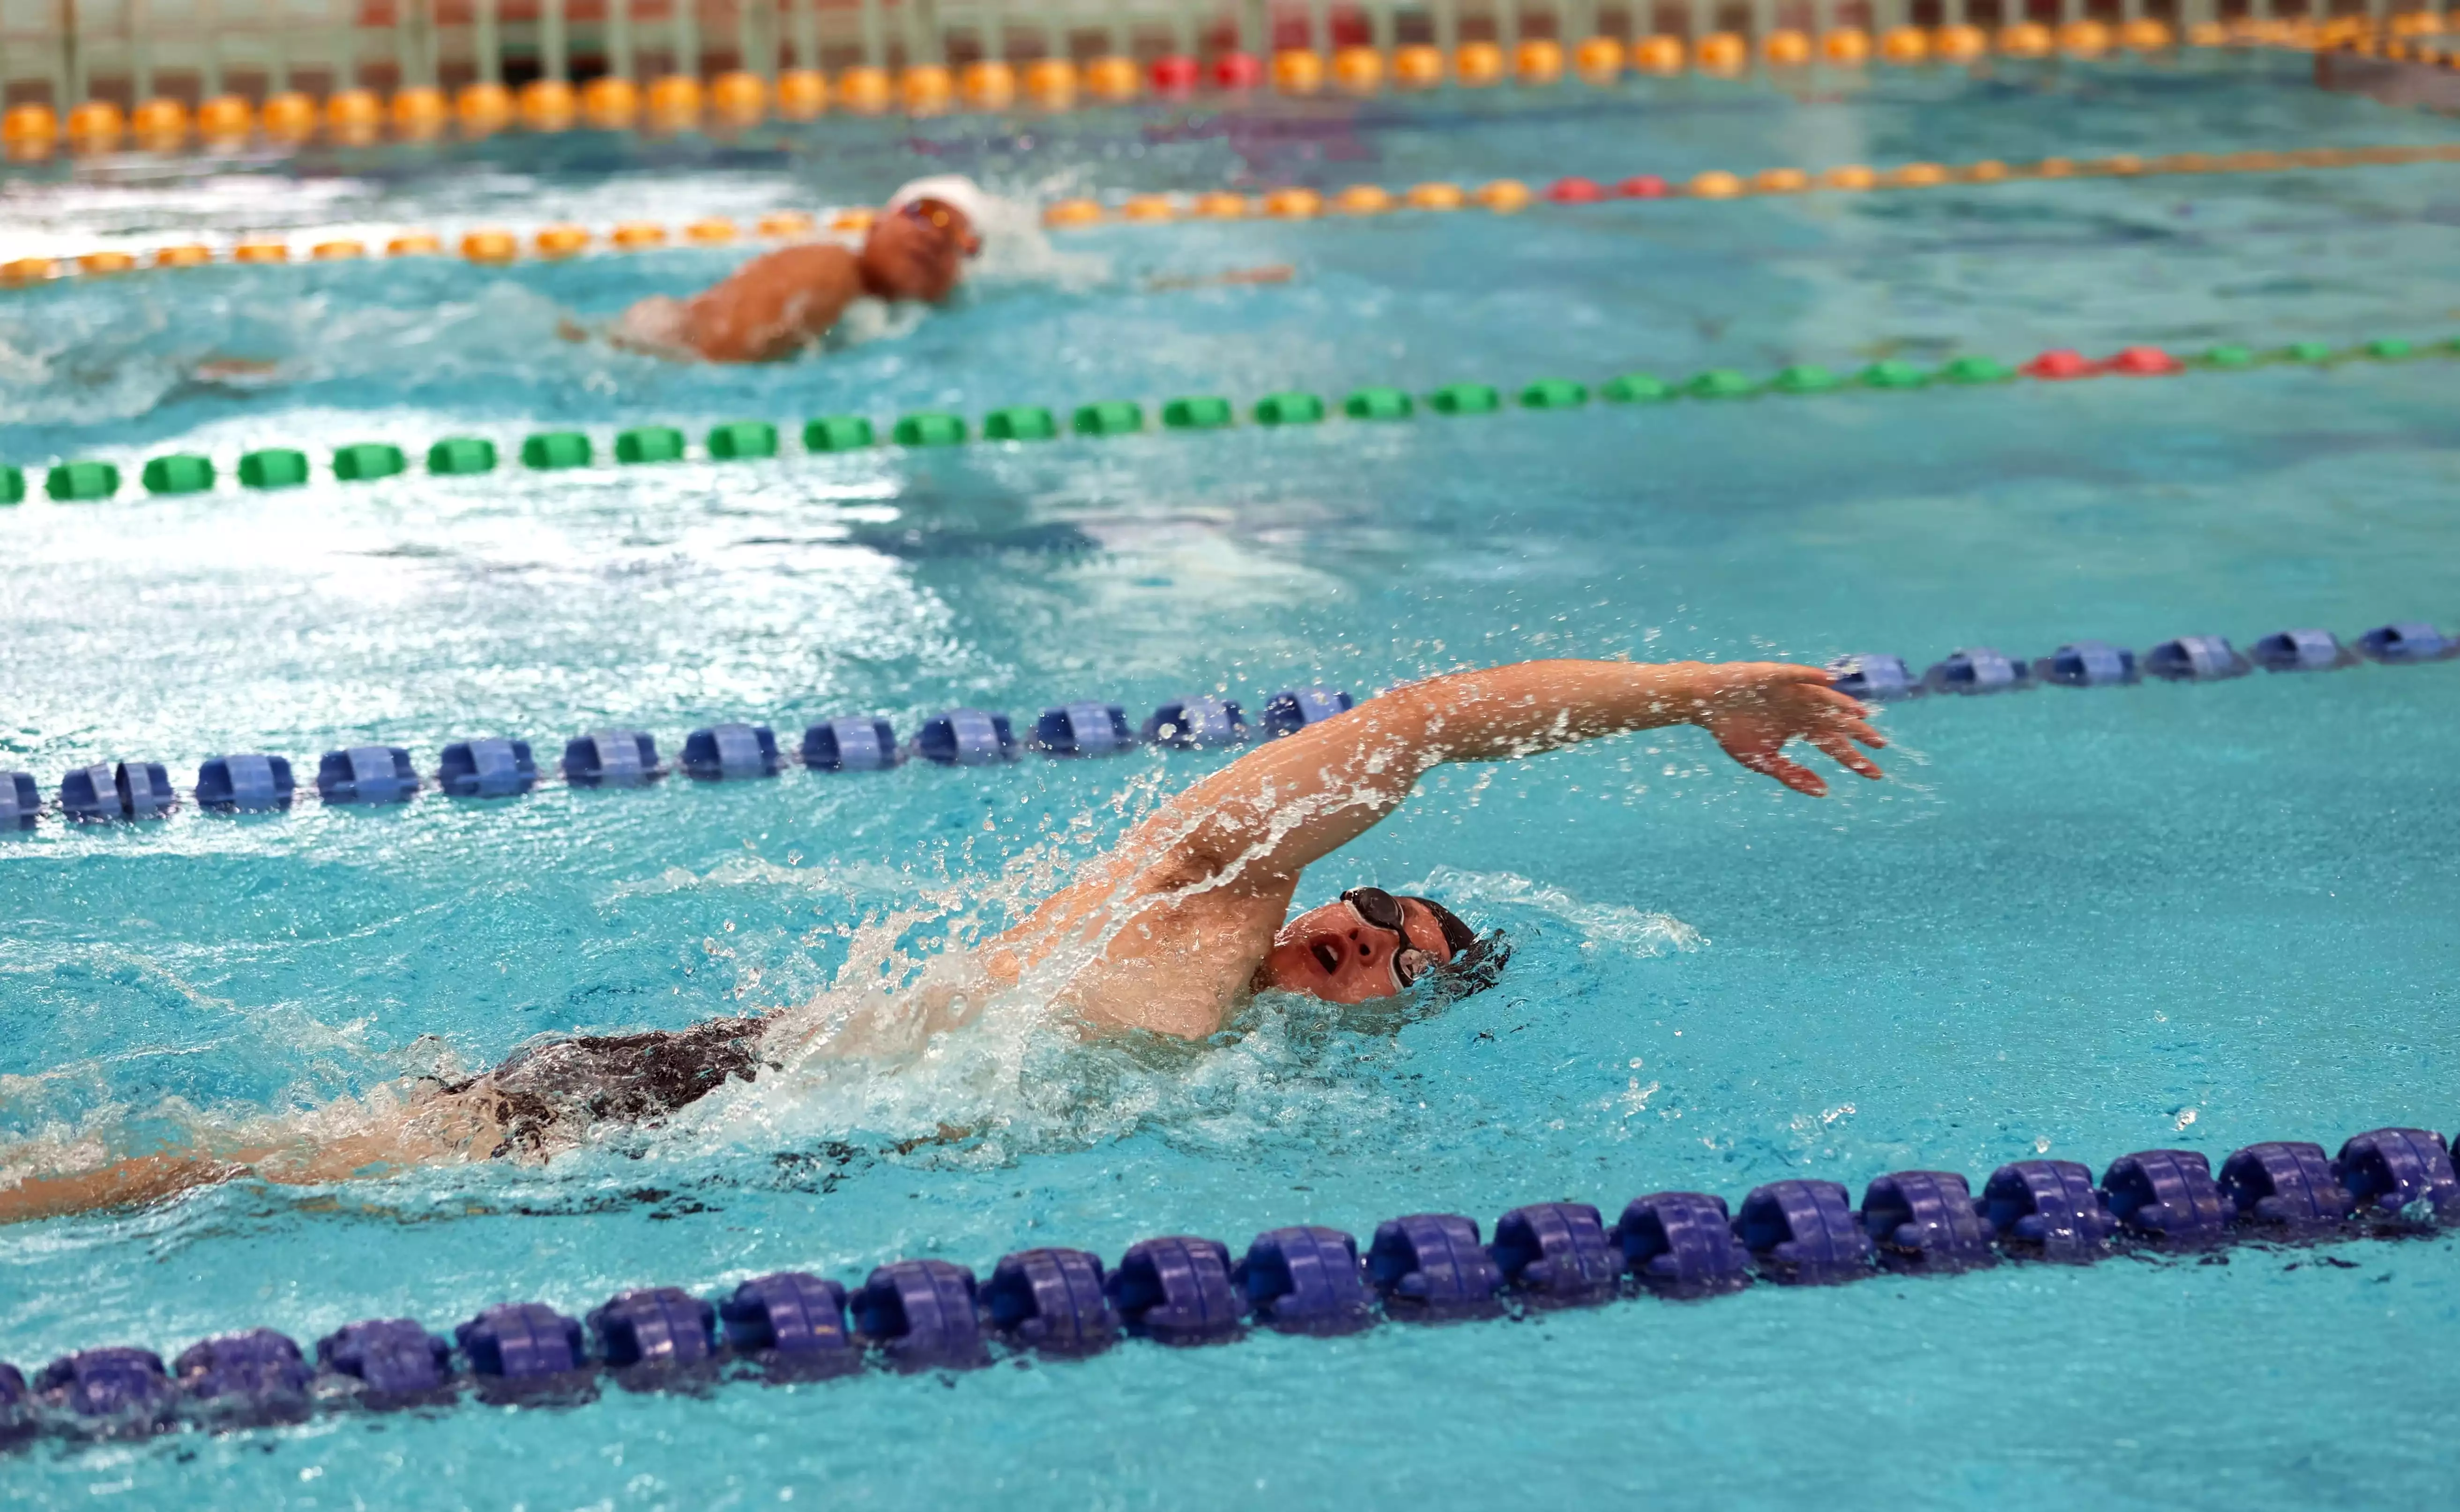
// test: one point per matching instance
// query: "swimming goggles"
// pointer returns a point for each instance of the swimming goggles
(1379, 910)
(942, 216)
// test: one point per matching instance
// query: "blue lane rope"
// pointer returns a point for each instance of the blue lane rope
(1185, 1289)
(504, 767)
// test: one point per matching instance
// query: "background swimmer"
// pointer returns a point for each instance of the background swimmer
(781, 302)
(1170, 933)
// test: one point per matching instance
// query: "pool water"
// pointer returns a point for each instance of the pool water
(2071, 924)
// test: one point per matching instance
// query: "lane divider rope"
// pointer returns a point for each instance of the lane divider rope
(741, 99)
(507, 767)
(88, 480)
(497, 246)
(1061, 1303)
(492, 247)
(1508, 196)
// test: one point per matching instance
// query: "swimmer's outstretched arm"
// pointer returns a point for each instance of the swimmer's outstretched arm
(1206, 879)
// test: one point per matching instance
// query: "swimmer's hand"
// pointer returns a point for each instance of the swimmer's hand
(1754, 708)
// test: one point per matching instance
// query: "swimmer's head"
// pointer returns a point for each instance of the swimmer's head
(918, 246)
(1371, 944)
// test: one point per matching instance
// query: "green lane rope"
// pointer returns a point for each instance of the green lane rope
(77, 482)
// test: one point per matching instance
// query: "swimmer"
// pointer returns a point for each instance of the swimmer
(781, 302)
(1169, 933)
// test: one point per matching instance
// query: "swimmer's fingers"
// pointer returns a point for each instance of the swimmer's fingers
(1861, 730)
(1760, 756)
(1841, 751)
(1792, 773)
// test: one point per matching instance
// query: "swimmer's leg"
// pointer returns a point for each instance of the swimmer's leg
(437, 1130)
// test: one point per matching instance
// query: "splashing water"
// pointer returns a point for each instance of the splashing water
(1640, 931)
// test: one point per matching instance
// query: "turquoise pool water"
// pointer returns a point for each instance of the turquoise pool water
(2073, 924)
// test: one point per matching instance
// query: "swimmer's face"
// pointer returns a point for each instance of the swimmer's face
(1335, 953)
(919, 251)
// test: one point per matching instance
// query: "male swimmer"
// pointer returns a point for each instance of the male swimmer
(781, 302)
(1170, 933)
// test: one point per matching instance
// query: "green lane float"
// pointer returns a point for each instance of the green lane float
(837, 433)
(461, 456)
(368, 461)
(1465, 398)
(76, 482)
(1379, 404)
(1637, 387)
(1554, 394)
(1721, 383)
(1109, 417)
(1977, 370)
(1804, 377)
(1021, 422)
(1201, 413)
(549, 450)
(649, 443)
(1893, 374)
(1289, 409)
(273, 467)
(929, 429)
(743, 440)
(179, 474)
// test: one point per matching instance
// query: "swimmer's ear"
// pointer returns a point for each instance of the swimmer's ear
(1473, 969)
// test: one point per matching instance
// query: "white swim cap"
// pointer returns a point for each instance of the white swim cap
(953, 189)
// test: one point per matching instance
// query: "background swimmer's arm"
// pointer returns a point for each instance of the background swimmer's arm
(1207, 880)
(774, 304)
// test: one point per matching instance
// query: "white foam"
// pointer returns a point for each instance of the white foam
(1641, 931)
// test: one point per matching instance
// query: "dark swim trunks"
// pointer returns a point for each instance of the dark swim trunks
(616, 1078)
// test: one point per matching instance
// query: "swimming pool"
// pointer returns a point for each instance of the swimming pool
(2072, 924)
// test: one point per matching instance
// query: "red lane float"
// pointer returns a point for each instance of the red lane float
(1574, 191)
(1237, 70)
(1643, 186)
(2058, 365)
(1174, 74)
(2145, 362)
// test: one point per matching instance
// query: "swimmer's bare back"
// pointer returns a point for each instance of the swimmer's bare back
(769, 308)
(781, 302)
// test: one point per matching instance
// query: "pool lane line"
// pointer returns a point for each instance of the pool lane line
(503, 767)
(492, 247)
(1507, 196)
(1061, 1303)
(497, 246)
(276, 467)
(740, 99)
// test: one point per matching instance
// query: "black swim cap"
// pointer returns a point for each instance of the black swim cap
(1476, 962)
